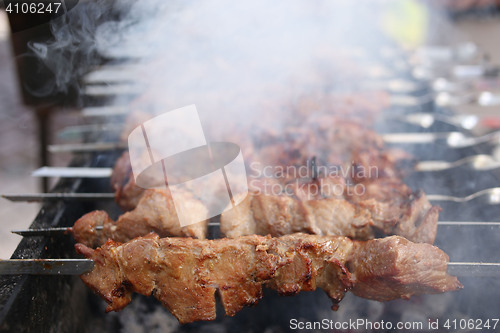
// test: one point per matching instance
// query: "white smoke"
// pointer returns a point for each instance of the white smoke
(231, 57)
(237, 61)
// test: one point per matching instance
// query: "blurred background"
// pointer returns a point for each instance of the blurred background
(25, 124)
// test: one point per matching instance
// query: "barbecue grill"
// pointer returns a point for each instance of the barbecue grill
(468, 231)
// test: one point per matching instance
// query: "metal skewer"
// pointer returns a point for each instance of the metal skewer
(422, 119)
(80, 266)
(476, 162)
(66, 230)
(47, 231)
(72, 172)
(106, 146)
(472, 223)
(451, 139)
(490, 196)
(113, 89)
(45, 266)
(78, 132)
(113, 74)
(104, 111)
(37, 197)
(411, 138)
(476, 269)
(426, 120)
(86, 147)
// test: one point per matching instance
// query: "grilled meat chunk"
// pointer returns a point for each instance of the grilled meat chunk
(154, 213)
(386, 207)
(184, 273)
(394, 267)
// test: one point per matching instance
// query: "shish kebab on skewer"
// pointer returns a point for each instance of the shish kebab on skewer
(184, 273)
(388, 207)
(268, 214)
(279, 214)
(417, 218)
(136, 196)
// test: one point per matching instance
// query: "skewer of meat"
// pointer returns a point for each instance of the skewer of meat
(184, 273)
(313, 207)
(387, 207)
(413, 218)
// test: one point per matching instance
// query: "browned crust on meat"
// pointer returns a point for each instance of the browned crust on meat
(184, 273)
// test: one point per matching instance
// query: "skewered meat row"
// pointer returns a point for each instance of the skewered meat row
(278, 215)
(387, 207)
(184, 273)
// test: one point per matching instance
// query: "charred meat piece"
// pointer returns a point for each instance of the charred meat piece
(184, 273)
(154, 213)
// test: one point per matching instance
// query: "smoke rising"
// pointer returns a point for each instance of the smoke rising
(72, 50)
(229, 58)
